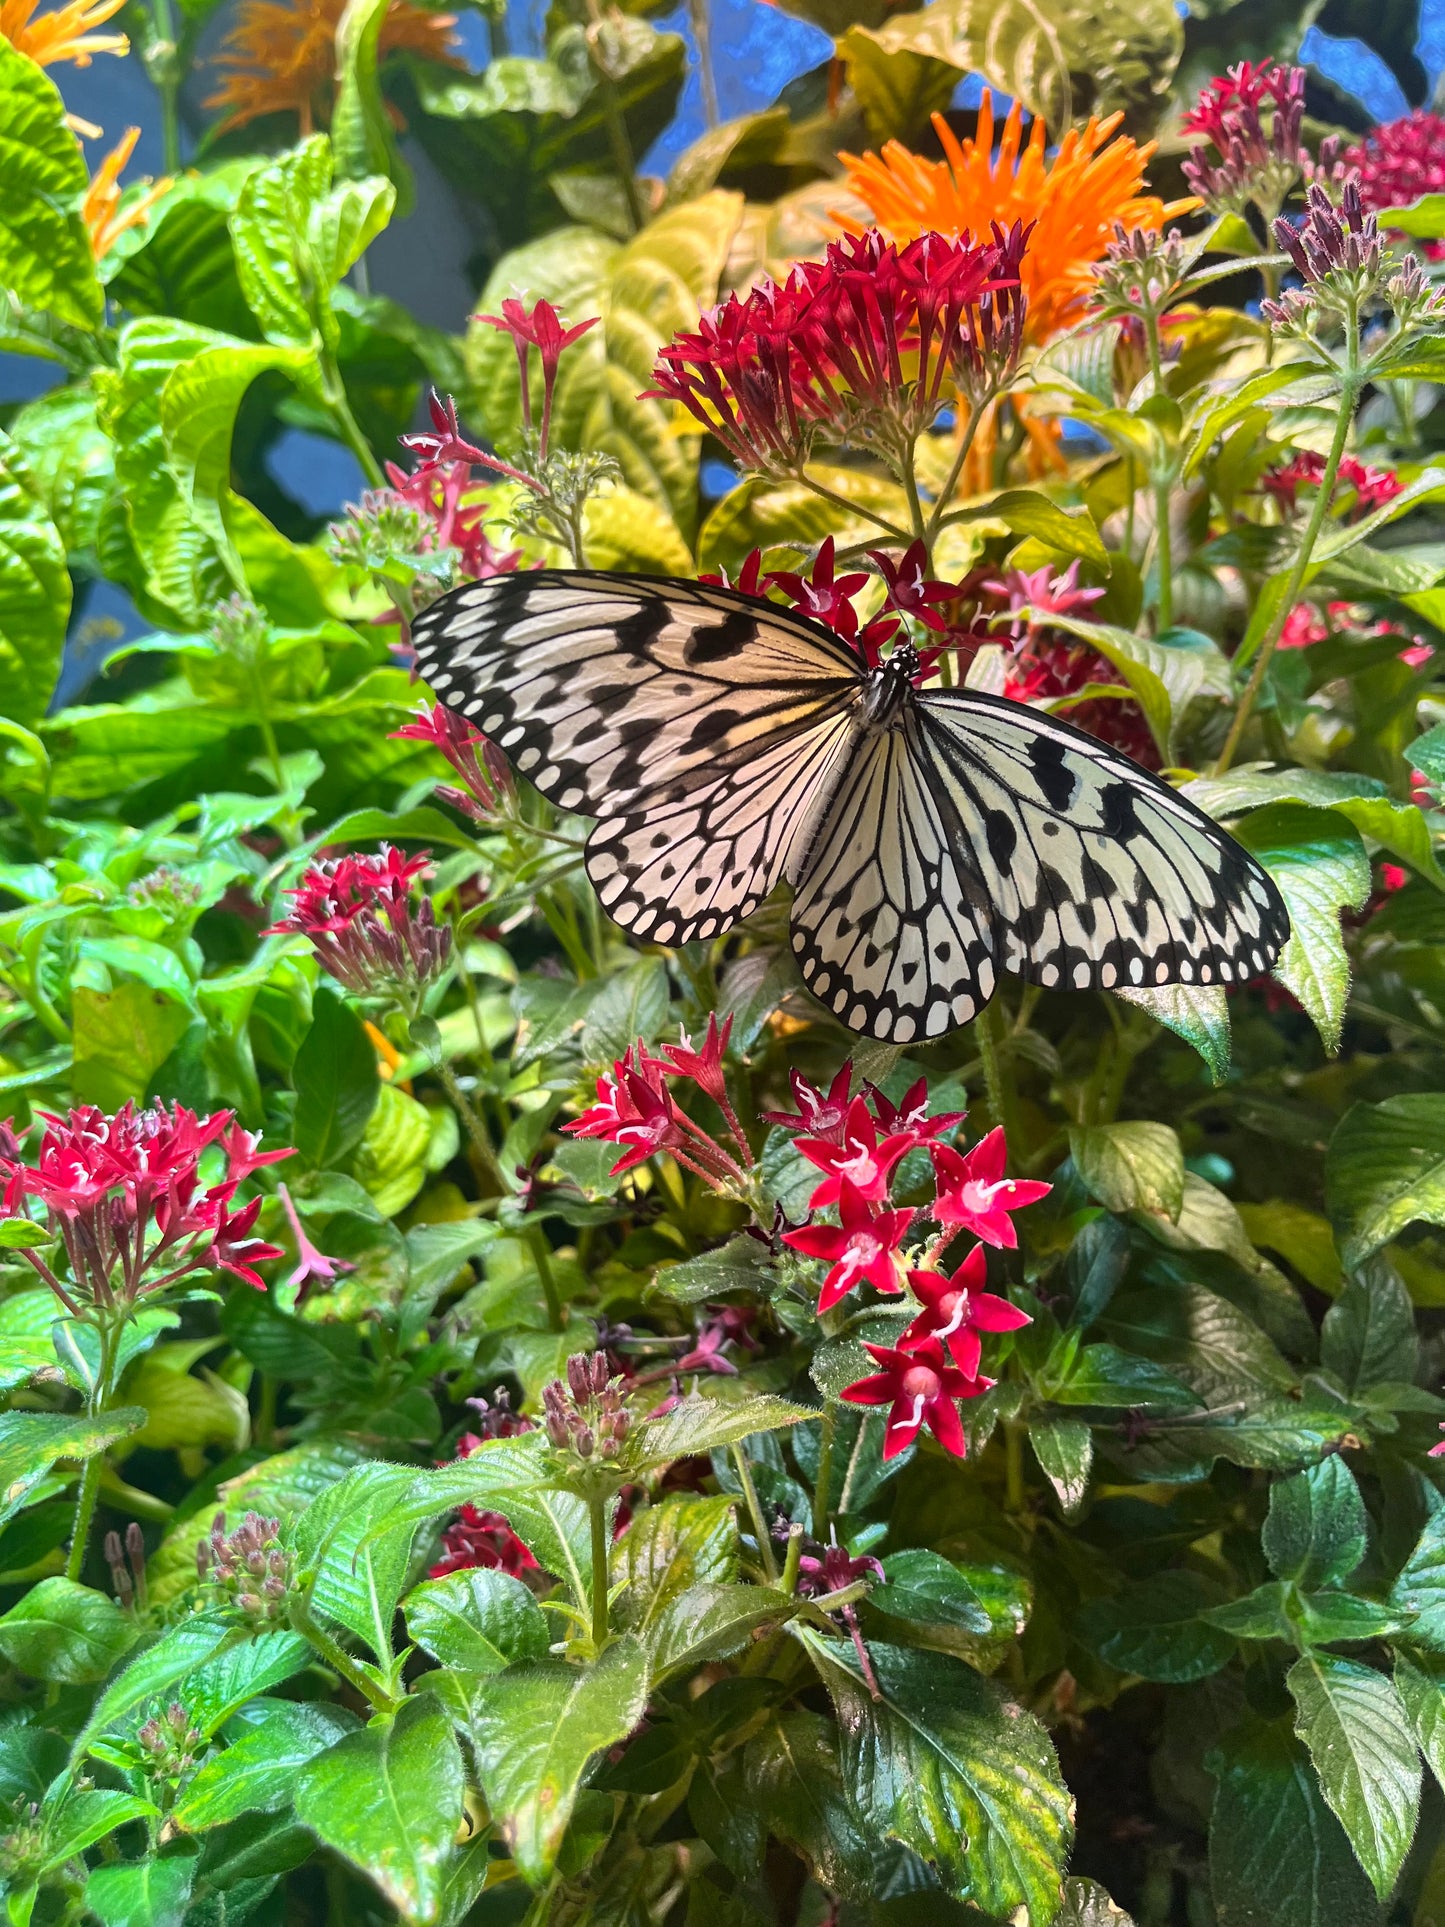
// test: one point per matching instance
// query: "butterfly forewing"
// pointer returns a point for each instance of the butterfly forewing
(696, 856)
(599, 687)
(1100, 875)
(890, 932)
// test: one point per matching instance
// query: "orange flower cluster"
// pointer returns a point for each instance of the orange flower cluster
(63, 34)
(1074, 200)
(280, 56)
(105, 220)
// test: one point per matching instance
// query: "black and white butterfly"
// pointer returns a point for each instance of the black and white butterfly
(931, 836)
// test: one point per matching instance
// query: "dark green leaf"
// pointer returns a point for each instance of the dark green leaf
(710, 1621)
(1132, 1166)
(477, 1620)
(1350, 1718)
(31, 1442)
(337, 1083)
(1385, 1169)
(1316, 1531)
(256, 1773)
(1420, 1587)
(795, 1780)
(951, 1606)
(65, 1632)
(1154, 1629)
(701, 1424)
(1369, 1332)
(389, 1800)
(1320, 865)
(1064, 1448)
(153, 1892)
(1420, 1682)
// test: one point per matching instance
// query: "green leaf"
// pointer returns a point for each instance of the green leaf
(1316, 1531)
(1369, 1335)
(26, 1348)
(1277, 1855)
(1425, 218)
(1350, 1718)
(391, 1159)
(1134, 1166)
(763, 514)
(153, 1892)
(1060, 60)
(949, 1606)
(234, 1675)
(795, 1779)
(32, 1442)
(175, 1655)
(1384, 1170)
(34, 581)
(1321, 868)
(1165, 672)
(537, 1730)
(1202, 1339)
(1087, 1905)
(360, 1551)
(84, 1816)
(898, 92)
(389, 1800)
(709, 1622)
(477, 1621)
(64, 1632)
(1104, 1375)
(45, 255)
(667, 1549)
(363, 138)
(1064, 1448)
(1267, 1434)
(700, 1424)
(1420, 1682)
(1323, 1618)
(1420, 1587)
(257, 1772)
(942, 1763)
(1199, 1013)
(1027, 511)
(337, 1082)
(1153, 1629)
(121, 1038)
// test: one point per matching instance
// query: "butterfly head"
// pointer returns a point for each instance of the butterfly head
(890, 683)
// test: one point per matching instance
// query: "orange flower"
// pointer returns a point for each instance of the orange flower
(64, 34)
(280, 57)
(1074, 200)
(104, 219)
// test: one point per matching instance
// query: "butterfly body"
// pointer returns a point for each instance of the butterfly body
(931, 836)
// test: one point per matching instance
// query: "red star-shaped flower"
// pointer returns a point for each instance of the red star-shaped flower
(910, 591)
(820, 1116)
(860, 1160)
(910, 1118)
(973, 1191)
(862, 1249)
(920, 1387)
(955, 1310)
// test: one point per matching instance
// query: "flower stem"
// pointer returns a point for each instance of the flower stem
(828, 1427)
(96, 1405)
(1349, 394)
(945, 494)
(339, 1660)
(597, 1509)
(542, 1258)
(989, 1033)
(1013, 1438)
(339, 407)
(755, 1514)
(1163, 480)
(855, 509)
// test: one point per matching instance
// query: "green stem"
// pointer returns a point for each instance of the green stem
(910, 485)
(851, 509)
(697, 14)
(792, 1559)
(945, 494)
(472, 1125)
(828, 1428)
(1163, 480)
(334, 390)
(990, 1029)
(96, 1405)
(597, 1511)
(623, 159)
(1349, 394)
(1013, 1438)
(339, 1660)
(542, 1258)
(165, 69)
(755, 1514)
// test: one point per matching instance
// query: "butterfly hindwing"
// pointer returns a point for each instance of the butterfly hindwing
(1100, 875)
(599, 686)
(697, 856)
(890, 932)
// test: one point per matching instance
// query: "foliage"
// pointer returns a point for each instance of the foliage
(685, 1463)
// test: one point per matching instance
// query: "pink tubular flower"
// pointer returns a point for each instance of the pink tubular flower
(485, 772)
(123, 1195)
(635, 1108)
(955, 1310)
(820, 1116)
(312, 1265)
(973, 1191)
(860, 1160)
(920, 1386)
(865, 345)
(703, 1066)
(863, 1249)
(481, 1539)
(1399, 162)
(1253, 116)
(366, 930)
(1373, 487)
(439, 491)
(541, 329)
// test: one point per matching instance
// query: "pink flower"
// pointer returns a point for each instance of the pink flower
(541, 329)
(481, 1539)
(860, 1160)
(439, 490)
(973, 1191)
(1438, 1451)
(863, 1249)
(821, 594)
(909, 589)
(124, 1198)
(312, 1265)
(1254, 118)
(365, 929)
(1373, 487)
(1399, 162)
(910, 1118)
(955, 1310)
(633, 1108)
(483, 768)
(1304, 626)
(820, 1116)
(703, 1066)
(919, 1386)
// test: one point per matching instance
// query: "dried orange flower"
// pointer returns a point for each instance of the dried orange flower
(105, 220)
(64, 34)
(280, 56)
(1073, 200)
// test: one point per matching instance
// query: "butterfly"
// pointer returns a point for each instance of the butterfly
(931, 836)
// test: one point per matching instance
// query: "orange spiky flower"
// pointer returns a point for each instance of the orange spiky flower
(63, 34)
(280, 56)
(105, 220)
(1074, 201)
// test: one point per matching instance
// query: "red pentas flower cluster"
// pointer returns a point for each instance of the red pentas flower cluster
(865, 347)
(484, 1539)
(124, 1197)
(636, 1108)
(1399, 162)
(443, 493)
(487, 780)
(858, 1146)
(1253, 117)
(1372, 487)
(365, 926)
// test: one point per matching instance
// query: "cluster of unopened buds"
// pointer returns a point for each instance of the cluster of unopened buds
(169, 1743)
(1253, 117)
(1141, 271)
(1346, 269)
(586, 1415)
(127, 1561)
(123, 1197)
(368, 929)
(250, 1567)
(866, 346)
